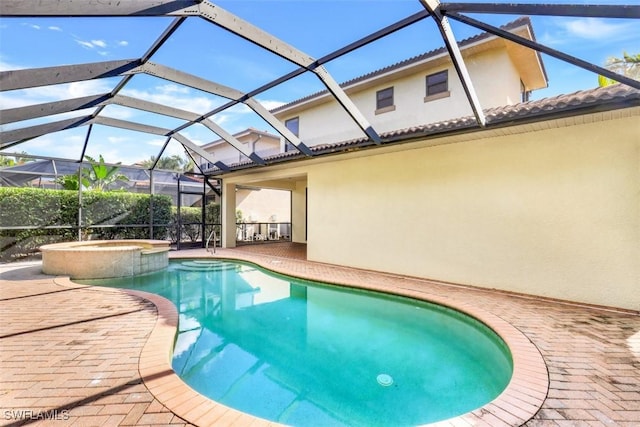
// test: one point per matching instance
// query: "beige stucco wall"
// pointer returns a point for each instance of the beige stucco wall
(493, 74)
(553, 213)
(263, 145)
(264, 204)
(298, 212)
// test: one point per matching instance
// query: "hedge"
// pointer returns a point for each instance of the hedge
(191, 219)
(58, 211)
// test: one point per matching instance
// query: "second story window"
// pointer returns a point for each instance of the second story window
(384, 100)
(437, 85)
(525, 93)
(294, 126)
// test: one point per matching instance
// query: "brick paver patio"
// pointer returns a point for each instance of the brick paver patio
(73, 353)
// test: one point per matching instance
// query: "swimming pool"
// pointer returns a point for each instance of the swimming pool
(303, 353)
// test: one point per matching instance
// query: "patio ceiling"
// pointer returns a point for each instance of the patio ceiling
(182, 10)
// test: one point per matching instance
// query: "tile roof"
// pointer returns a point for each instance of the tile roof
(522, 21)
(582, 102)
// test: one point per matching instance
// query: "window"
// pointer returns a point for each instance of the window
(384, 100)
(525, 93)
(437, 85)
(294, 126)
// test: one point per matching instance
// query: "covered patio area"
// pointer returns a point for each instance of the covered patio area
(75, 355)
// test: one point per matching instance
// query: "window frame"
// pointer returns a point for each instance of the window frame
(288, 146)
(432, 94)
(385, 103)
(525, 95)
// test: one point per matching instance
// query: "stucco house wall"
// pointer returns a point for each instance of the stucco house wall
(264, 204)
(493, 73)
(549, 209)
(552, 212)
(263, 143)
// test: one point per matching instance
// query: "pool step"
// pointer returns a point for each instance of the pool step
(203, 265)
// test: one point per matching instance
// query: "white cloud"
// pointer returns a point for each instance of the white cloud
(54, 28)
(220, 119)
(86, 45)
(4, 66)
(84, 88)
(33, 26)
(270, 104)
(118, 112)
(118, 139)
(39, 95)
(191, 137)
(238, 109)
(595, 30)
(172, 88)
(64, 144)
(93, 44)
(9, 101)
(123, 43)
(175, 96)
(157, 142)
(175, 148)
(47, 119)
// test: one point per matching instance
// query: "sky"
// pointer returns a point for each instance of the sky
(315, 27)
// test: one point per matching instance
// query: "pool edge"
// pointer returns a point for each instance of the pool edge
(518, 402)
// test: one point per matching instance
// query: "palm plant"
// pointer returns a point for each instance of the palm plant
(98, 176)
(628, 65)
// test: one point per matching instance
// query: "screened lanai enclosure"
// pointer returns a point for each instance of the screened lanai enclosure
(97, 96)
(38, 206)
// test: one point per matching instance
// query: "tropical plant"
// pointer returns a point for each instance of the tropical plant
(628, 66)
(7, 161)
(98, 176)
(68, 182)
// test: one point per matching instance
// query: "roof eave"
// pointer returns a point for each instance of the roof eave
(564, 106)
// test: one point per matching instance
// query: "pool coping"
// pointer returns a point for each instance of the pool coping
(518, 403)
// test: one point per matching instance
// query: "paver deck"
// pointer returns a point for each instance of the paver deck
(72, 353)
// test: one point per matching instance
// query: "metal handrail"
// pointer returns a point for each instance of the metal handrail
(212, 234)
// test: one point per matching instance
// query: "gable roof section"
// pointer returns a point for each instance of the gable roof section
(242, 134)
(601, 99)
(520, 26)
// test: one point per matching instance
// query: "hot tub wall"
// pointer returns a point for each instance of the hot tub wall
(79, 263)
(104, 259)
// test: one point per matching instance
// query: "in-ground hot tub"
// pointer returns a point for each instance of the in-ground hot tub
(100, 259)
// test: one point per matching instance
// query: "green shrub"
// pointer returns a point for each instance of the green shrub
(128, 210)
(53, 214)
(191, 220)
(33, 207)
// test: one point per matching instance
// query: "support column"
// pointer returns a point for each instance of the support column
(228, 238)
(299, 212)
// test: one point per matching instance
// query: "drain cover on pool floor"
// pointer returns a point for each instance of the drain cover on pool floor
(384, 380)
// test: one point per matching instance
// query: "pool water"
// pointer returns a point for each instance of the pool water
(307, 354)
